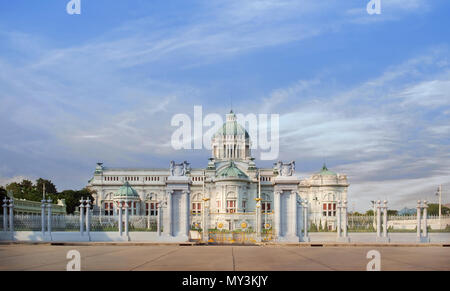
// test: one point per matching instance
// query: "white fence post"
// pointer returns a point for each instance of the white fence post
(126, 219)
(159, 215)
(49, 217)
(305, 222)
(338, 218)
(11, 215)
(5, 214)
(419, 224)
(120, 218)
(82, 216)
(378, 207)
(43, 216)
(88, 218)
(385, 227)
(425, 222)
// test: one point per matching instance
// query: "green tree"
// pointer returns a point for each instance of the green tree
(73, 197)
(392, 212)
(369, 212)
(15, 189)
(433, 209)
(50, 188)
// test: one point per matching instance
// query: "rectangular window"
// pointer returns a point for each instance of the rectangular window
(231, 206)
(196, 208)
(151, 208)
(108, 206)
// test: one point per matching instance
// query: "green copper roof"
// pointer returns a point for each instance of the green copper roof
(231, 172)
(326, 172)
(126, 191)
(232, 127)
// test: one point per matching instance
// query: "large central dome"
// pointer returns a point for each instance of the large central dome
(231, 127)
(231, 141)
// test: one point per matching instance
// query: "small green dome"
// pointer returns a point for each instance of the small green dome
(231, 172)
(326, 172)
(126, 191)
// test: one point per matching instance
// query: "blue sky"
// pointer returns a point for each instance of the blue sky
(368, 94)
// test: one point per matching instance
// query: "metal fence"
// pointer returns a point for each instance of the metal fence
(72, 223)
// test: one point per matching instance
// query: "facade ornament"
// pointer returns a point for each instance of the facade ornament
(179, 170)
(285, 169)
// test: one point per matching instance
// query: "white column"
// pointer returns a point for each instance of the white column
(82, 216)
(126, 218)
(88, 216)
(148, 214)
(305, 219)
(338, 216)
(188, 212)
(345, 218)
(49, 216)
(425, 221)
(418, 220)
(385, 225)
(169, 214)
(276, 202)
(43, 216)
(5, 214)
(378, 219)
(159, 215)
(293, 213)
(120, 218)
(11, 215)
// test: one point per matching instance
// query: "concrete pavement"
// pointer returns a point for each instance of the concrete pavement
(221, 258)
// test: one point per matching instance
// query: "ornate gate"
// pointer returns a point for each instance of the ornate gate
(238, 228)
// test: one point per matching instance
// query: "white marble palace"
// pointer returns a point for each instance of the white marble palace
(230, 188)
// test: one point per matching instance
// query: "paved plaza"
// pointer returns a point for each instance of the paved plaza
(221, 258)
